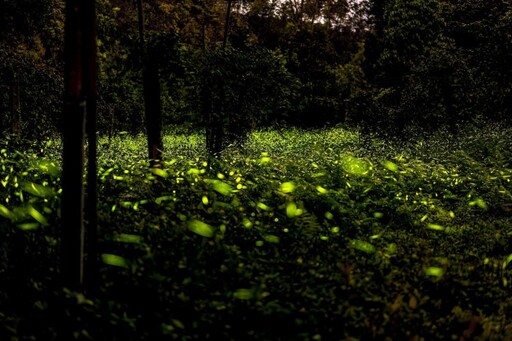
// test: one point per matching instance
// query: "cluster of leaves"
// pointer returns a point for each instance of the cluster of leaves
(303, 235)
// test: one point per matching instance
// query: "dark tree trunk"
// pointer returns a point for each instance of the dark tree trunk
(226, 24)
(14, 94)
(152, 101)
(90, 67)
(79, 101)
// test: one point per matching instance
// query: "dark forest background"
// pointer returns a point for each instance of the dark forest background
(307, 63)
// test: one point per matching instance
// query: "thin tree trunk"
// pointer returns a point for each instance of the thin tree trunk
(226, 25)
(152, 101)
(90, 66)
(15, 104)
(79, 99)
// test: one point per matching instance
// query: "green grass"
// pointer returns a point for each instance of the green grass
(317, 235)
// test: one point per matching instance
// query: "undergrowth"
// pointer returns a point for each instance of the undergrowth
(295, 235)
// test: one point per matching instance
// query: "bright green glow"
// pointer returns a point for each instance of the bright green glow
(4, 211)
(114, 260)
(247, 223)
(200, 228)
(292, 210)
(221, 187)
(128, 238)
(390, 166)
(160, 172)
(263, 206)
(435, 227)
(204, 199)
(434, 271)
(287, 187)
(36, 215)
(271, 238)
(321, 190)
(328, 215)
(28, 226)
(355, 166)
(265, 160)
(507, 261)
(362, 246)
(38, 190)
(480, 203)
(243, 294)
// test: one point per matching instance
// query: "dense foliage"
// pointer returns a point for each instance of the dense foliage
(327, 234)
(388, 64)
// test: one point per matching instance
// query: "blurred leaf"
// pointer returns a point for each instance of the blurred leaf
(271, 238)
(114, 260)
(479, 202)
(160, 172)
(507, 261)
(49, 168)
(28, 226)
(220, 187)
(362, 246)
(435, 227)
(4, 211)
(200, 228)
(243, 294)
(38, 190)
(128, 238)
(434, 271)
(36, 215)
(287, 187)
(321, 190)
(390, 166)
(355, 166)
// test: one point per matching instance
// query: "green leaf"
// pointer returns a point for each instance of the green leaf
(200, 228)
(114, 260)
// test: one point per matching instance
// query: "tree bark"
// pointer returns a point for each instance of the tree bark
(79, 101)
(226, 24)
(152, 100)
(90, 67)
(14, 93)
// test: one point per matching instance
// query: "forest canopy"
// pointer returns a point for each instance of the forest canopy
(387, 64)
